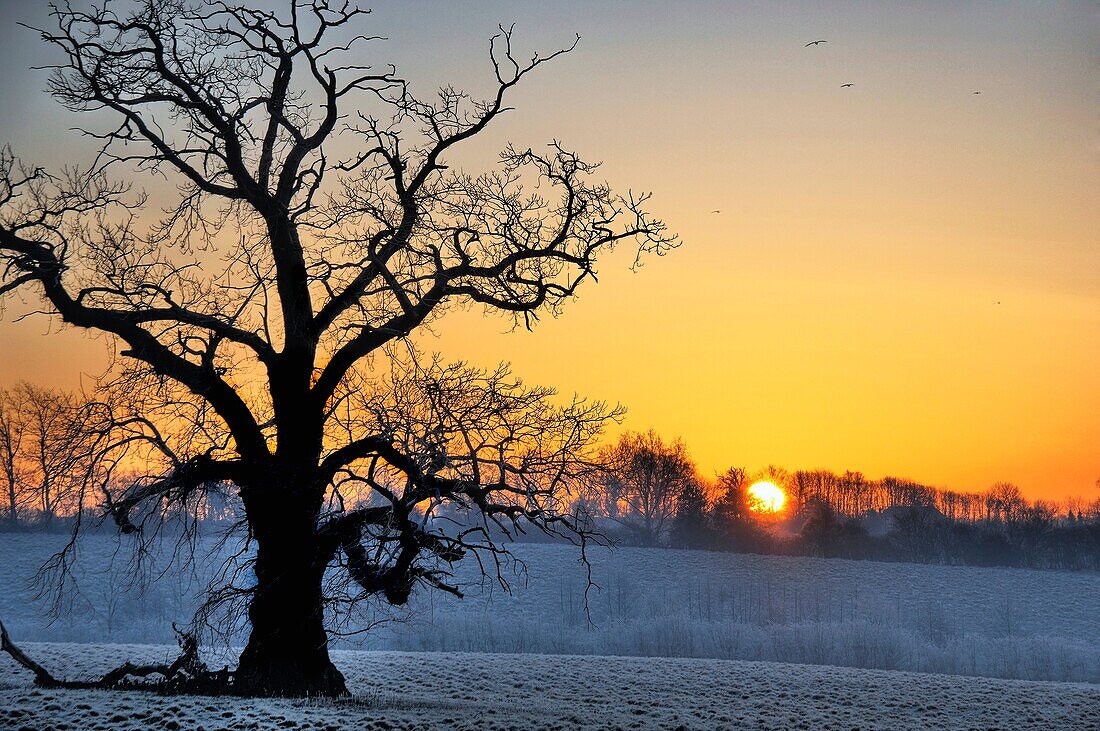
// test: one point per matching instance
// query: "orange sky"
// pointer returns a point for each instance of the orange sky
(841, 311)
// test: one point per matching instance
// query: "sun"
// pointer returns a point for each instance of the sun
(767, 497)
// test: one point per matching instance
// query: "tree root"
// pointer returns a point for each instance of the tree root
(186, 674)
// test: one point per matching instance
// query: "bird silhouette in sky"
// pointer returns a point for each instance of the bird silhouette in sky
(814, 43)
(715, 211)
(977, 92)
(845, 86)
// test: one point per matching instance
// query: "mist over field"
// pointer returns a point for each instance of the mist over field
(1002, 623)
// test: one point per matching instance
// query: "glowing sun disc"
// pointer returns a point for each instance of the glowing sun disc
(767, 497)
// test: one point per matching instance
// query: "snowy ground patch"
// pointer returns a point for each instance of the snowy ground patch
(394, 690)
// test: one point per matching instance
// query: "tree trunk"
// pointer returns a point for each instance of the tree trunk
(13, 515)
(287, 651)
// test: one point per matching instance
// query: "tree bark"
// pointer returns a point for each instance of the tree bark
(287, 650)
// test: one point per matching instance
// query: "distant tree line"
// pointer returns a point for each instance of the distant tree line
(52, 470)
(649, 493)
(653, 495)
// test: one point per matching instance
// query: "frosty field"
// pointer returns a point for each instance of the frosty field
(458, 690)
(1008, 623)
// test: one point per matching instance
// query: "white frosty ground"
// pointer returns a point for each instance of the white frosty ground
(395, 690)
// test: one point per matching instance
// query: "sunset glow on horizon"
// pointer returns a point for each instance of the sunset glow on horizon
(901, 277)
(767, 497)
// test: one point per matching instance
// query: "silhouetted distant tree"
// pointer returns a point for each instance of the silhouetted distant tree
(1004, 503)
(13, 427)
(853, 498)
(919, 531)
(851, 540)
(44, 451)
(820, 530)
(691, 524)
(732, 515)
(319, 220)
(645, 476)
(1030, 530)
(54, 447)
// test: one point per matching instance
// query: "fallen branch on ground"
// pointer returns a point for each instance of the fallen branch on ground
(186, 674)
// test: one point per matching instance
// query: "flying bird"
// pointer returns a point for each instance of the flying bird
(845, 86)
(814, 43)
(715, 211)
(977, 92)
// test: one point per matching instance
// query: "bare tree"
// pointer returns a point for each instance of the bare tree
(53, 447)
(283, 277)
(821, 529)
(1031, 529)
(13, 427)
(42, 450)
(733, 512)
(919, 530)
(644, 478)
(690, 523)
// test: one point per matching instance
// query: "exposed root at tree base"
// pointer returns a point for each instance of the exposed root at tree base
(186, 675)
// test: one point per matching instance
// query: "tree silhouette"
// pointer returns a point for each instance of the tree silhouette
(734, 518)
(13, 430)
(645, 477)
(690, 523)
(316, 224)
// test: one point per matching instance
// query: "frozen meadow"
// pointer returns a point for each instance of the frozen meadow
(1000, 623)
(393, 690)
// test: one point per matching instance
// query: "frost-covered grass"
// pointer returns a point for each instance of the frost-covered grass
(1009, 623)
(455, 690)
